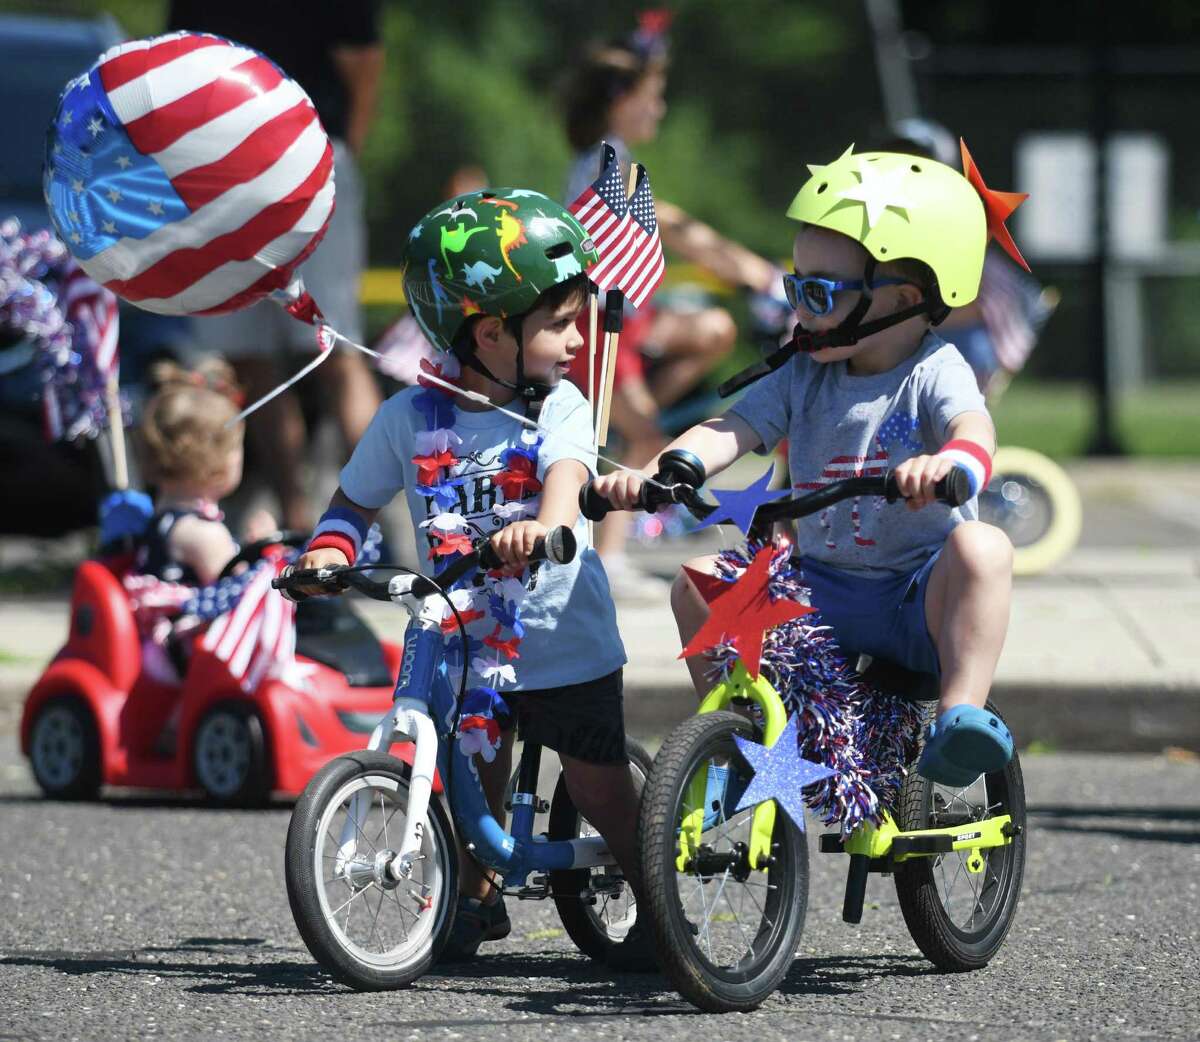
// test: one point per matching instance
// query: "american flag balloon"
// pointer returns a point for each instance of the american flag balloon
(188, 174)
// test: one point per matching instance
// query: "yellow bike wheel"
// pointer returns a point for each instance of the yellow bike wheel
(1037, 505)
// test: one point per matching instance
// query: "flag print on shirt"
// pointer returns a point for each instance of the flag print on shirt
(899, 430)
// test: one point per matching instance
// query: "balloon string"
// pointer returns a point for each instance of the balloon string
(333, 335)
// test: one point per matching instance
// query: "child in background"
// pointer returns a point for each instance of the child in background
(887, 245)
(193, 459)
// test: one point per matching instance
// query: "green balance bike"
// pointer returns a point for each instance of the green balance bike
(726, 890)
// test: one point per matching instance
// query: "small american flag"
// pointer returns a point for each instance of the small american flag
(92, 311)
(256, 637)
(604, 212)
(1014, 310)
(641, 267)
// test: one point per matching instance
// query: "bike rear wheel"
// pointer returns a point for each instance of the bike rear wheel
(367, 929)
(595, 916)
(959, 918)
(724, 933)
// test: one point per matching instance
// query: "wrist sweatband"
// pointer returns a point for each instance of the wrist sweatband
(973, 458)
(339, 529)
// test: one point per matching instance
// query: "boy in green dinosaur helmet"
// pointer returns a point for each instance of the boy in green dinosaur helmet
(496, 280)
(887, 244)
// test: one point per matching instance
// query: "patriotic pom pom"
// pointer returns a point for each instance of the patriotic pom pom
(868, 736)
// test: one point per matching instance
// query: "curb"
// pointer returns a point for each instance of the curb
(1128, 718)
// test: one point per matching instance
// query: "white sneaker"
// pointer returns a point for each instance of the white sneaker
(628, 583)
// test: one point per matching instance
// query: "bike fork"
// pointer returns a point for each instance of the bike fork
(408, 720)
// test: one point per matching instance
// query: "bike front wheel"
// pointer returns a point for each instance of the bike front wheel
(724, 932)
(367, 928)
(959, 906)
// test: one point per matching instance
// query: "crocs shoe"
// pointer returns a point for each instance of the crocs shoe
(474, 923)
(964, 743)
(723, 792)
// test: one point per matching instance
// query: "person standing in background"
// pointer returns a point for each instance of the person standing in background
(615, 94)
(333, 51)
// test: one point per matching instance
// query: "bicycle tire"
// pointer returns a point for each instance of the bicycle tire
(921, 884)
(329, 944)
(584, 921)
(717, 989)
(1041, 476)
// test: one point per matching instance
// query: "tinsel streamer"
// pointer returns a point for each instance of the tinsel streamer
(33, 267)
(868, 736)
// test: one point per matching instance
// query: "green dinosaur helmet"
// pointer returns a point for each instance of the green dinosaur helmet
(902, 206)
(492, 252)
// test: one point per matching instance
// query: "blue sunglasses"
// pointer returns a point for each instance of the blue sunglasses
(816, 295)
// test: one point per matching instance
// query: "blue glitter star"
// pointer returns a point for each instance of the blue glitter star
(780, 773)
(739, 506)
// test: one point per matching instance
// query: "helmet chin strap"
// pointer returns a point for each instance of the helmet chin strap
(849, 332)
(532, 393)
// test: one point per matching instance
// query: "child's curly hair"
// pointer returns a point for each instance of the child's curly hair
(185, 433)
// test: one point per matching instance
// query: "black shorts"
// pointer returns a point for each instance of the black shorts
(585, 721)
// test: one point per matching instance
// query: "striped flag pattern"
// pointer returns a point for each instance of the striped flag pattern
(603, 211)
(92, 311)
(188, 174)
(644, 264)
(1014, 310)
(256, 637)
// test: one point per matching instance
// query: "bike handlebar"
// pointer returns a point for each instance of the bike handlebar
(953, 490)
(557, 546)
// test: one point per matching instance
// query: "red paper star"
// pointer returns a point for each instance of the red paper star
(997, 205)
(742, 612)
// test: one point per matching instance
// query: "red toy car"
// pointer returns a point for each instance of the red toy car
(95, 717)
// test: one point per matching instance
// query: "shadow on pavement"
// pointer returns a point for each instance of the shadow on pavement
(1104, 821)
(191, 963)
(841, 974)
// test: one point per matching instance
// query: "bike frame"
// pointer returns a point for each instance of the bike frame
(424, 711)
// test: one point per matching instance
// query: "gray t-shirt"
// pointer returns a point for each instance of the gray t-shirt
(570, 624)
(838, 426)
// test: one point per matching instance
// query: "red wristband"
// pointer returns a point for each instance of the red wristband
(333, 541)
(974, 458)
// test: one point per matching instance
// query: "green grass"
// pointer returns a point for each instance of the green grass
(1058, 419)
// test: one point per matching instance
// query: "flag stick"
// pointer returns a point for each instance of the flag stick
(116, 428)
(593, 313)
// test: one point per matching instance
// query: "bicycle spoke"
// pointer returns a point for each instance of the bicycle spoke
(375, 921)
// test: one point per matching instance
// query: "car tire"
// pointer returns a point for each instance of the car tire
(229, 756)
(64, 749)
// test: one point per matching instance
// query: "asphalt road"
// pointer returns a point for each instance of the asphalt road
(136, 918)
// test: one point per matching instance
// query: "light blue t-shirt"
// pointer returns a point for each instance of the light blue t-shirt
(839, 426)
(570, 624)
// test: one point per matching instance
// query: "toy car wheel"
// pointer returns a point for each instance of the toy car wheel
(229, 756)
(64, 749)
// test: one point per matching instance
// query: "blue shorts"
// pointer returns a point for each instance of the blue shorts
(880, 617)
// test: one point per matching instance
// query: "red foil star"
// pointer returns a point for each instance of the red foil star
(742, 611)
(997, 205)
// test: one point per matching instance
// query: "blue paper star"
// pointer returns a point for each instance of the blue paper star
(739, 506)
(780, 773)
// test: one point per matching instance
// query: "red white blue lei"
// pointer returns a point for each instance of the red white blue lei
(450, 534)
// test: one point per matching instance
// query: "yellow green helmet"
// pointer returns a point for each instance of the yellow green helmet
(901, 207)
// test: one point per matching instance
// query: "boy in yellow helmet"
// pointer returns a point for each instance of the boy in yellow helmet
(887, 245)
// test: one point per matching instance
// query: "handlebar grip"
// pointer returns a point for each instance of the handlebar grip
(592, 505)
(557, 546)
(953, 490)
(325, 577)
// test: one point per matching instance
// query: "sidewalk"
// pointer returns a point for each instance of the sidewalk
(1101, 654)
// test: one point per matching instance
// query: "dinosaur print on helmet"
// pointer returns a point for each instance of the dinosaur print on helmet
(492, 252)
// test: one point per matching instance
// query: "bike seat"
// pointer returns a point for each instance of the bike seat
(893, 677)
